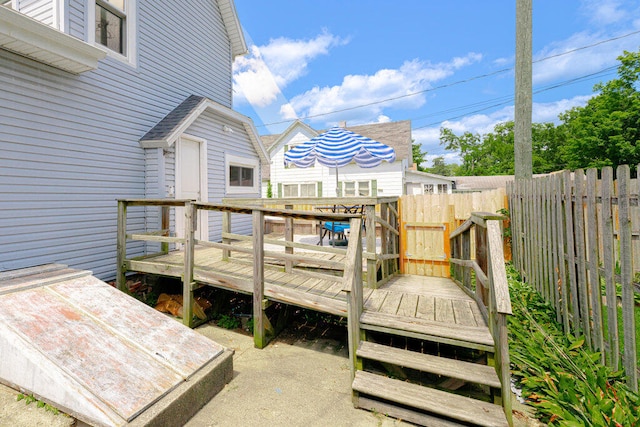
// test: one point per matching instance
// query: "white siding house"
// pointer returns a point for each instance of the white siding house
(100, 103)
(388, 179)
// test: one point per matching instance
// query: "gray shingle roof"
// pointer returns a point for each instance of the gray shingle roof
(174, 119)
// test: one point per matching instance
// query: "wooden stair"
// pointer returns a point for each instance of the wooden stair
(419, 404)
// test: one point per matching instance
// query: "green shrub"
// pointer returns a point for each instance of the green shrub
(558, 375)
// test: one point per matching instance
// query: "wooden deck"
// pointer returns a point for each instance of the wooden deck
(431, 306)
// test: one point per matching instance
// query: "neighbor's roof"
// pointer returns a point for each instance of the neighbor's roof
(476, 183)
(234, 29)
(174, 124)
(437, 177)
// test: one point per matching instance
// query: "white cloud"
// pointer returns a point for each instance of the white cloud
(260, 76)
(604, 12)
(367, 90)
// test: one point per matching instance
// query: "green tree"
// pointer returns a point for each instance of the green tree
(493, 153)
(439, 167)
(418, 156)
(468, 145)
(606, 131)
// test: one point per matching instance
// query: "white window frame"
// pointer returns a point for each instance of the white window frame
(130, 32)
(356, 187)
(428, 189)
(286, 187)
(245, 162)
(443, 189)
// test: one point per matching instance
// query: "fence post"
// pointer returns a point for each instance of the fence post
(121, 246)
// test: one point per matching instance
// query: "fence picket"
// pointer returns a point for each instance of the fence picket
(593, 245)
(608, 249)
(581, 262)
(560, 255)
(626, 276)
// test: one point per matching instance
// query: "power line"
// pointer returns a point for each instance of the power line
(482, 76)
(509, 100)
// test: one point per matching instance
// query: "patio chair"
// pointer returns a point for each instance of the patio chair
(338, 230)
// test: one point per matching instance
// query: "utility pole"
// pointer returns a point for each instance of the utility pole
(523, 91)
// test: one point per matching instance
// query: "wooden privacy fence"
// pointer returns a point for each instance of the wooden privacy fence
(575, 239)
(426, 222)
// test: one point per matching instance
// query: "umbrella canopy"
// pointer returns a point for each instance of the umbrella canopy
(338, 147)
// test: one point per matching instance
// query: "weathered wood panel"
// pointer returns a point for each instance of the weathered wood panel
(593, 254)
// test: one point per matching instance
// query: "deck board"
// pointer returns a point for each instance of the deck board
(432, 302)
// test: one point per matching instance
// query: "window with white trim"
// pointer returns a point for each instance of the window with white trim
(300, 190)
(241, 175)
(114, 27)
(443, 188)
(356, 188)
(428, 188)
(290, 190)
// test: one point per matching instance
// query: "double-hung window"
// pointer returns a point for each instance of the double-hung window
(111, 22)
(114, 28)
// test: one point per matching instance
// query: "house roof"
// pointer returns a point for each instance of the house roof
(477, 183)
(174, 124)
(434, 176)
(234, 29)
(394, 134)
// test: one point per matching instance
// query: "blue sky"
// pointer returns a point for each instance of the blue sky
(436, 63)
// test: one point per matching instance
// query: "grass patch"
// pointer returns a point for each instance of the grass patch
(557, 374)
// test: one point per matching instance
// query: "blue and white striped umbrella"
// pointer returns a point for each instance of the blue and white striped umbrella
(338, 147)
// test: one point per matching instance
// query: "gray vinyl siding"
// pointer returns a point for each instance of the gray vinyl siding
(40, 10)
(209, 127)
(76, 19)
(69, 144)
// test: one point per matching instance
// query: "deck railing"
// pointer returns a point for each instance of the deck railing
(261, 257)
(379, 214)
(491, 288)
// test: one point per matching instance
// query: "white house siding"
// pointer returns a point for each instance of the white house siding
(40, 10)
(69, 144)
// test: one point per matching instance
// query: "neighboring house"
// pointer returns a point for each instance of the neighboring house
(388, 179)
(109, 99)
(427, 183)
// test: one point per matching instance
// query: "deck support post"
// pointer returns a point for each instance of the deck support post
(372, 274)
(164, 225)
(190, 221)
(288, 237)
(353, 288)
(384, 243)
(259, 338)
(226, 229)
(121, 246)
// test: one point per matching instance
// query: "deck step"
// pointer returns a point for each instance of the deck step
(433, 401)
(404, 414)
(466, 371)
(476, 337)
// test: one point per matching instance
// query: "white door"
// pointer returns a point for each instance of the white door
(191, 179)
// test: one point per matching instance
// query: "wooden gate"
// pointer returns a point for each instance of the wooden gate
(426, 221)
